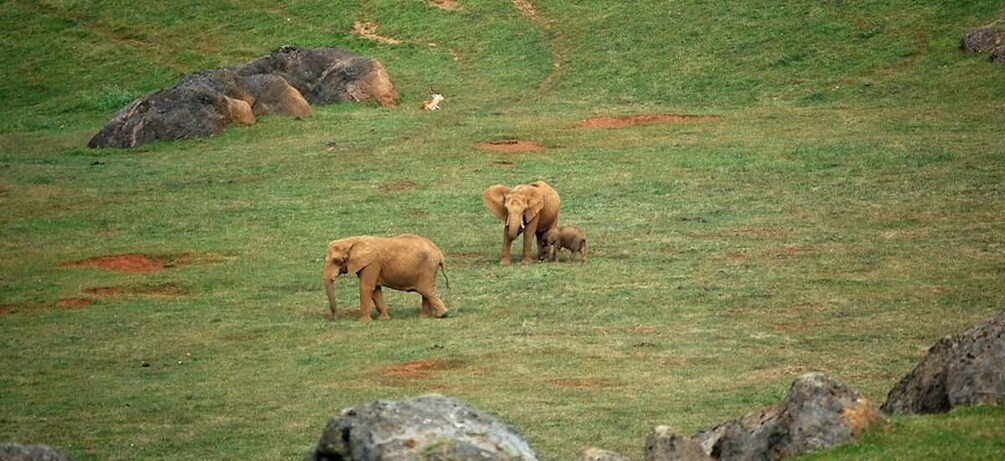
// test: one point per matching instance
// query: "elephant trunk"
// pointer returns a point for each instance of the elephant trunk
(514, 224)
(331, 273)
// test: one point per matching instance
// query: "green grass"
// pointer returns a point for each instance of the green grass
(842, 214)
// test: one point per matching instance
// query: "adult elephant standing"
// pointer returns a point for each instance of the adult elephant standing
(407, 262)
(531, 206)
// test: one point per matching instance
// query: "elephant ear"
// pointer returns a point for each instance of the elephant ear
(494, 198)
(535, 203)
(361, 254)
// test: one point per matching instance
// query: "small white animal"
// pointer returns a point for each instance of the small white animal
(432, 104)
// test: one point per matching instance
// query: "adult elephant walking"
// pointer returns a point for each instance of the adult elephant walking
(407, 262)
(531, 206)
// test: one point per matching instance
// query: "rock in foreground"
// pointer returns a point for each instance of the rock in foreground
(818, 413)
(966, 369)
(430, 427)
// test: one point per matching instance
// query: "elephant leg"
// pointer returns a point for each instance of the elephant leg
(378, 301)
(427, 308)
(429, 296)
(367, 286)
(528, 238)
(507, 243)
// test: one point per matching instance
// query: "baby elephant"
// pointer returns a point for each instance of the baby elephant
(407, 262)
(566, 237)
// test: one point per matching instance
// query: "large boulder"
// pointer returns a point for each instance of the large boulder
(819, 412)
(18, 452)
(431, 427)
(286, 82)
(987, 39)
(327, 75)
(187, 112)
(966, 369)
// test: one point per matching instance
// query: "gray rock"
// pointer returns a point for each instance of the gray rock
(664, 444)
(428, 428)
(819, 412)
(327, 75)
(967, 369)
(178, 113)
(18, 452)
(285, 82)
(597, 454)
(987, 39)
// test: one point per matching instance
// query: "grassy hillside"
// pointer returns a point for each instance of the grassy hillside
(841, 212)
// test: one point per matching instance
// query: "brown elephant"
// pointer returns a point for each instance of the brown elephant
(406, 262)
(570, 237)
(527, 206)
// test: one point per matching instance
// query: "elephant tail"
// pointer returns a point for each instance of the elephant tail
(443, 268)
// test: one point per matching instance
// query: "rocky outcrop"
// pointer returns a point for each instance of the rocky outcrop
(18, 452)
(286, 82)
(178, 113)
(819, 412)
(327, 75)
(966, 369)
(430, 427)
(987, 39)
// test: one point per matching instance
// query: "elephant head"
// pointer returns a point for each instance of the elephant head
(516, 206)
(349, 255)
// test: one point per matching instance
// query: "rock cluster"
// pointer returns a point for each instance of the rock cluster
(987, 39)
(18, 452)
(966, 369)
(285, 82)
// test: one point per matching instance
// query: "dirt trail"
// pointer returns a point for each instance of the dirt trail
(559, 47)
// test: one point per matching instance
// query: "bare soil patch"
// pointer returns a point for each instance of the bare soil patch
(5, 309)
(73, 303)
(419, 369)
(629, 120)
(525, 8)
(368, 30)
(167, 289)
(504, 164)
(138, 262)
(131, 262)
(511, 145)
(398, 186)
(449, 5)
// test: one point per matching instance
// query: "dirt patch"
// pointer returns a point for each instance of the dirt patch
(4, 310)
(397, 186)
(504, 164)
(137, 262)
(368, 30)
(73, 303)
(419, 369)
(167, 289)
(131, 262)
(449, 5)
(525, 8)
(629, 120)
(511, 145)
